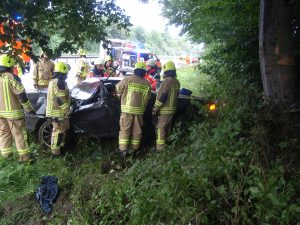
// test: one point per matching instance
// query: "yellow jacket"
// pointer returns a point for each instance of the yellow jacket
(12, 97)
(43, 72)
(58, 99)
(166, 98)
(83, 69)
(135, 92)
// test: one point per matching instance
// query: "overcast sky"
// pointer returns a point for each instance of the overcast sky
(146, 15)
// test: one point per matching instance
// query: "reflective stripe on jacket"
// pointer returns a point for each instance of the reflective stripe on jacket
(12, 97)
(58, 100)
(43, 72)
(166, 99)
(83, 69)
(135, 93)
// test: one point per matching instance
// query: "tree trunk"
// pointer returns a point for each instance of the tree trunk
(276, 51)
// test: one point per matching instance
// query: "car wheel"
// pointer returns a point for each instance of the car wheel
(45, 132)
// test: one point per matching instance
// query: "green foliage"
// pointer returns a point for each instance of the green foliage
(162, 43)
(238, 165)
(73, 21)
(199, 83)
(216, 20)
(221, 168)
(139, 34)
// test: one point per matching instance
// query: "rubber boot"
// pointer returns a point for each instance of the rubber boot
(123, 155)
(55, 152)
(7, 155)
(24, 158)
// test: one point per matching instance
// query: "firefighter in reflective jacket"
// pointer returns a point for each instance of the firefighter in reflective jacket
(135, 92)
(12, 99)
(166, 103)
(83, 67)
(42, 72)
(58, 106)
(110, 71)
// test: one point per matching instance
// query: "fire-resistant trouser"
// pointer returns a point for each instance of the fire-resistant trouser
(15, 128)
(163, 126)
(130, 131)
(58, 136)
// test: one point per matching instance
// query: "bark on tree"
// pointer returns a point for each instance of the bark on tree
(276, 51)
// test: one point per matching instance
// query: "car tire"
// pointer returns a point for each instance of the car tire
(45, 132)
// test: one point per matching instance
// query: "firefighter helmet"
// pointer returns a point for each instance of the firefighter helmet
(81, 52)
(7, 61)
(169, 66)
(151, 62)
(61, 67)
(108, 58)
(140, 65)
(99, 62)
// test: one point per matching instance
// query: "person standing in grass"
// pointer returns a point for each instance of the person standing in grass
(166, 103)
(13, 100)
(135, 92)
(58, 106)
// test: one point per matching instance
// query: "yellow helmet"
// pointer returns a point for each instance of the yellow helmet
(169, 66)
(7, 61)
(61, 67)
(81, 52)
(140, 65)
(108, 58)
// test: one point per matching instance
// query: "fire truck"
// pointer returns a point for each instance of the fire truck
(125, 54)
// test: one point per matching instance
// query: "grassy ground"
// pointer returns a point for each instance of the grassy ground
(191, 79)
(223, 168)
(19, 182)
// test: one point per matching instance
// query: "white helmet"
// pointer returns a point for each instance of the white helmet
(151, 62)
(99, 62)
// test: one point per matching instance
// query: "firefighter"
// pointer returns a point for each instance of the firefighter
(166, 103)
(12, 99)
(135, 92)
(42, 72)
(110, 71)
(151, 72)
(83, 67)
(98, 70)
(58, 106)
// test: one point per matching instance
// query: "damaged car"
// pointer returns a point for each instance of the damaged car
(95, 111)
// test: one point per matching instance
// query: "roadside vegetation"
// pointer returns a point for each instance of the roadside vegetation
(237, 166)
